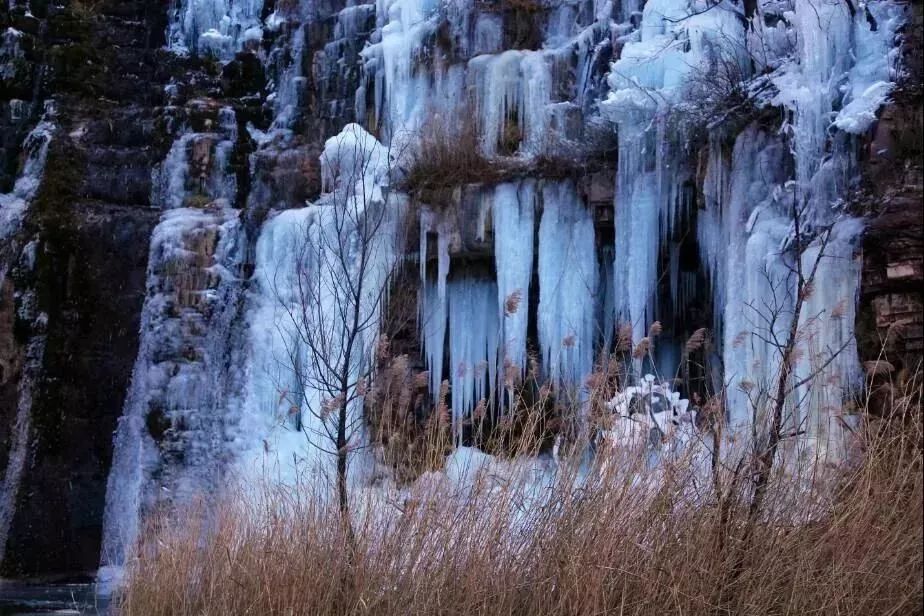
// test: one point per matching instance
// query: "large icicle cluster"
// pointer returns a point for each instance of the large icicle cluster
(677, 41)
(487, 320)
(831, 68)
(544, 266)
(514, 95)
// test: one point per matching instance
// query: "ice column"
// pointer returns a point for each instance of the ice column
(567, 285)
(314, 314)
(473, 345)
(514, 230)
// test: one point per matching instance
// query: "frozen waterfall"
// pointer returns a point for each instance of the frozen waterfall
(321, 283)
(532, 266)
(13, 208)
(170, 439)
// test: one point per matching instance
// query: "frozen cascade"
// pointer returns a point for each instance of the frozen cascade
(841, 61)
(215, 27)
(403, 91)
(831, 69)
(567, 286)
(290, 87)
(674, 42)
(871, 77)
(745, 266)
(174, 403)
(270, 436)
(13, 206)
(11, 51)
(445, 61)
(811, 88)
(317, 247)
(170, 437)
(827, 354)
(752, 278)
(515, 96)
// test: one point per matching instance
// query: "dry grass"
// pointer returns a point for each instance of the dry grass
(526, 6)
(610, 545)
(449, 154)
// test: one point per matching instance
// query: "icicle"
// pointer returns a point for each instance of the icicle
(498, 99)
(473, 345)
(567, 285)
(433, 334)
(827, 359)
(752, 275)
(433, 297)
(405, 24)
(514, 224)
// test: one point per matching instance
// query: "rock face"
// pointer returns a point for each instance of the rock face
(73, 290)
(105, 66)
(90, 224)
(892, 301)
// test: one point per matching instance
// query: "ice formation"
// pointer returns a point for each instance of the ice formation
(514, 211)
(473, 345)
(191, 288)
(13, 206)
(179, 381)
(676, 42)
(550, 277)
(337, 256)
(488, 347)
(514, 94)
(214, 27)
(567, 286)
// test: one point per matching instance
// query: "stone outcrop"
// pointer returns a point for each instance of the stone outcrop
(891, 314)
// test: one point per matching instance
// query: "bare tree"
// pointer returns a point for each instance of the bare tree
(786, 383)
(334, 297)
(780, 321)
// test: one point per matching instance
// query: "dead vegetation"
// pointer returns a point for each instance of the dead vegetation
(449, 154)
(850, 545)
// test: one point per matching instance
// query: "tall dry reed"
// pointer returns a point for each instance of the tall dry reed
(499, 541)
